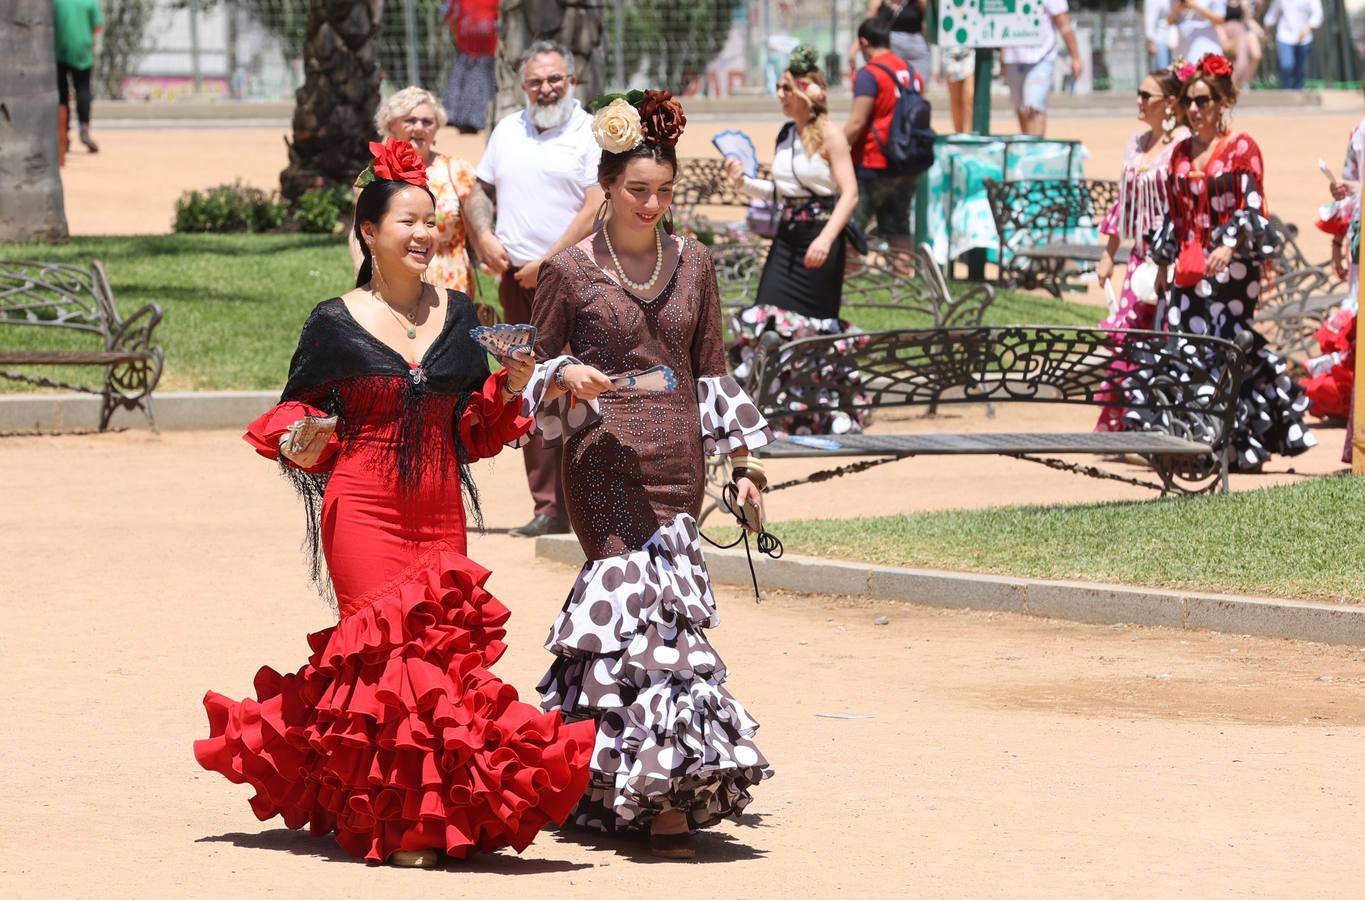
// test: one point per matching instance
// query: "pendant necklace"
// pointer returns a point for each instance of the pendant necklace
(635, 286)
(411, 327)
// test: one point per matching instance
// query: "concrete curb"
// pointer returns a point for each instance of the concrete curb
(174, 411)
(1075, 601)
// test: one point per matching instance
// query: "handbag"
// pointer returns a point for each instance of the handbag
(763, 217)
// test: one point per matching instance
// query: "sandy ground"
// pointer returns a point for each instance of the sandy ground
(1003, 757)
(101, 198)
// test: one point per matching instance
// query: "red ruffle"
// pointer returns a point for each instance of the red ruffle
(1329, 394)
(264, 434)
(489, 421)
(397, 736)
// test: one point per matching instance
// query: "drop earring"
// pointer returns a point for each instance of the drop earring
(602, 211)
(1168, 124)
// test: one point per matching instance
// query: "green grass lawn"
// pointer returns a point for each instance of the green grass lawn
(1302, 541)
(234, 303)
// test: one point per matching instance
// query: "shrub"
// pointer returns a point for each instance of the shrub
(322, 210)
(228, 208)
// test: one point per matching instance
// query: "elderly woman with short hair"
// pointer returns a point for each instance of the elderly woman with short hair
(415, 115)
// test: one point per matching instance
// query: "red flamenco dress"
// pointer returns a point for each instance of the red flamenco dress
(395, 735)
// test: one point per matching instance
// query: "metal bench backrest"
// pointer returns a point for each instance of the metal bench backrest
(55, 295)
(702, 182)
(1197, 377)
(1039, 211)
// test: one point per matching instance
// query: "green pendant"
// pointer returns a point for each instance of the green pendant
(412, 334)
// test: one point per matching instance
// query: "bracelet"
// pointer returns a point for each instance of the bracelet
(559, 377)
(757, 477)
(748, 461)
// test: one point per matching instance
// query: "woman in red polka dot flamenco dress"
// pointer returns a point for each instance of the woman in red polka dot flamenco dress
(1217, 238)
(395, 735)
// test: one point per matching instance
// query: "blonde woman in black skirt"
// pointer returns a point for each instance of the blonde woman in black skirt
(802, 286)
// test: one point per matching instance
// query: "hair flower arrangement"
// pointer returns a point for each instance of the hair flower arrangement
(1185, 71)
(1215, 65)
(394, 160)
(622, 122)
(803, 60)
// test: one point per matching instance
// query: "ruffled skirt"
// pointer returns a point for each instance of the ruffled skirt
(1271, 405)
(397, 736)
(837, 378)
(631, 654)
(1132, 313)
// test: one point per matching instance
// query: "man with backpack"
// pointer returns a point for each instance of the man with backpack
(888, 130)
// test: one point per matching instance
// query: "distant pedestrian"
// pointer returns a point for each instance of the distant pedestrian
(959, 71)
(1197, 24)
(1294, 21)
(884, 192)
(473, 27)
(1028, 70)
(906, 21)
(1159, 33)
(75, 24)
(540, 168)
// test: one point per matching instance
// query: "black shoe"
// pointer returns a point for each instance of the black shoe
(88, 141)
(541, 525)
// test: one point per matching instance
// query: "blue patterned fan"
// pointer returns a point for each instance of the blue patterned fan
(504, 340)
(655, 378)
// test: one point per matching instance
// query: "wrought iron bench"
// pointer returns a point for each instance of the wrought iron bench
(1296, 305)
(701, 183)
(1192, 380)
(54, 296)
(1037, 221)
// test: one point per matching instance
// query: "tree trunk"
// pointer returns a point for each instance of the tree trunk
(577, 24)
(31, 204)
(334, 110)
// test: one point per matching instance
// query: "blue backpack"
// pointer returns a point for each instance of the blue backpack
(909, 143)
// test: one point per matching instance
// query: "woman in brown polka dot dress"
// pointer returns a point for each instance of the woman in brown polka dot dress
(674, 749)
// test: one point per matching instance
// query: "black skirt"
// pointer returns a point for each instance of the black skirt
(786, 282)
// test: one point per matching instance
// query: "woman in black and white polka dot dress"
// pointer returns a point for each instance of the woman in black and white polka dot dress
(675, 750)
(1218, 236)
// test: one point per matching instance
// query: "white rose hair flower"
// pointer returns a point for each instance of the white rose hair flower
(617, 127)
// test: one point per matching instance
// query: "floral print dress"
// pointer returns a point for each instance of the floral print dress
(450, 181)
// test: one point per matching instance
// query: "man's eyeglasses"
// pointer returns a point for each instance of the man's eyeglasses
(1146, 96)
(413, 122)
(555, 82)
(1200, 101)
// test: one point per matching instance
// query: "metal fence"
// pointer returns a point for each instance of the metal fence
(252, 49)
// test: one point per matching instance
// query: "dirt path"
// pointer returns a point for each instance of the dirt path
(1004, 756)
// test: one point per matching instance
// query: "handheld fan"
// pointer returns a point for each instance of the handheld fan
(504, 340)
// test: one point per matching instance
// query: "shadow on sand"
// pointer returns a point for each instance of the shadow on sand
(712, 846)
(301, 843)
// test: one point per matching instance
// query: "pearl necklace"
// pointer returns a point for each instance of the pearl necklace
(411, 314)
(635, 286)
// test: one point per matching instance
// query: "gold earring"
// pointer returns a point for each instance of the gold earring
(602, 210)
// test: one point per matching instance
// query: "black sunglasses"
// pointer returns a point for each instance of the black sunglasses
(1145, 96)
(1201, 101)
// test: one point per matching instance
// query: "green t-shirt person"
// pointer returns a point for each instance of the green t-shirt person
(75, 23)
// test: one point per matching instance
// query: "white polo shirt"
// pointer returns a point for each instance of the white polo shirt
(540, 177)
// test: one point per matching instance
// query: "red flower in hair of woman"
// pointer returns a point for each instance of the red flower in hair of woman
(1215, 65)
(396, 160)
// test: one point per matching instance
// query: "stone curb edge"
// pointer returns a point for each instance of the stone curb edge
(174, 411)
(1075, 601)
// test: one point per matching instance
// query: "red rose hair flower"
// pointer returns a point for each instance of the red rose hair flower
(396, 160)
(1215, 65)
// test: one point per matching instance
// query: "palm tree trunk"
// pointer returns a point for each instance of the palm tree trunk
(32, 207)
(334, 110)
(577, 24)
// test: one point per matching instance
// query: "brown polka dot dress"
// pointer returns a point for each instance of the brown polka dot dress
(630, 647)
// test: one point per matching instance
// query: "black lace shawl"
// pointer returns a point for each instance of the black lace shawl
(335, 350)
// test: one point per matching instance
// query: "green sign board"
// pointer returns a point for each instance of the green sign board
(990, 23)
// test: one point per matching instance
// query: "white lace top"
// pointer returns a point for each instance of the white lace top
(796, 173)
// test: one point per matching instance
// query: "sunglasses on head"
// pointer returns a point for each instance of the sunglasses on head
(1201, 101)
(1146, 96)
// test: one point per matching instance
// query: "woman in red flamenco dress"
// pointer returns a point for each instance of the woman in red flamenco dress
(395, 735)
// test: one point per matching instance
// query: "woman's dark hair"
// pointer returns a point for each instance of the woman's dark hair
(371, 206)
(1220, 86)
(610, 167)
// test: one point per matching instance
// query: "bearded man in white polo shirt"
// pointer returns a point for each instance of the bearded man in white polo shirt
(540, 171)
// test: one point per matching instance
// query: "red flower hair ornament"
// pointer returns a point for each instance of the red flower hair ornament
(1215, 65)
(394, 160)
